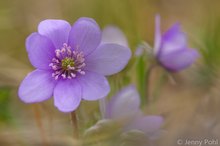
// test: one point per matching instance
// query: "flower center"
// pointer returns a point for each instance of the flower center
(67, 63)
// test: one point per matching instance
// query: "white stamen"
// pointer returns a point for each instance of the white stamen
(82, 65)
(55, 60)
(75, 63)
(82, 73)
(70, 67)
(64, 76)
(51, 64)
(73, 75)
(54, 67)
(57, 72)
(57, 51)
(69, 52)
(74, 53)
(56, 77)
(65, 45)
(63, 50)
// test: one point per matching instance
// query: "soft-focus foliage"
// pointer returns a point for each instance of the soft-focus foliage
(5, 114)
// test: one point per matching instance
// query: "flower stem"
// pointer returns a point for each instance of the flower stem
(74, 124)
(102, 107)
(141, 75)
(148, 83)
(38, 120)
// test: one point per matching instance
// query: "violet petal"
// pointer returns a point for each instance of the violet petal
(40, 50)
(94, 86)
(67, 95)
(125, 104)
(108, 59)
(85, 35)
(112, 34)
(36, 87)
(173, 40)
(150, 125)
(179, 60)
(157, 35)
(56, 30)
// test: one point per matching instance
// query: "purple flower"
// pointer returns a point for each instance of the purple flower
(125, 107)
(70, 63)
(171, 48)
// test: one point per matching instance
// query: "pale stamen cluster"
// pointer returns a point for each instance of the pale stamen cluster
(67, 64)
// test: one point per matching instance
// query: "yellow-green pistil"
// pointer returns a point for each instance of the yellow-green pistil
(67, 62)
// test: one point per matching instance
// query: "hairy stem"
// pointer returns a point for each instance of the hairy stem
(74, 124)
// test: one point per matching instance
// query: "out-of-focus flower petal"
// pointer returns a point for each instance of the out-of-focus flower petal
(124, 105)
(179, 60)
(173, 53)
(94, 86)
(36, 87)
(40, 50)
(108, 59)
(112, 34)
(150, 125)
(135, 138)
(157, 37)
(85, 35)
(67, 95)
(142, 48)
(173, 40)
(56, 30)
(139, 51)
(102, 129)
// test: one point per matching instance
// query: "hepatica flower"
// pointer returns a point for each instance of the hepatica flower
(171, 48)
(71, 63)
(125, 107)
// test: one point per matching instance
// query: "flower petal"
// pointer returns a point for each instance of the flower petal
(112, 34)
(36, 87)
(157, 35)
(179, 60)
(56, 30)
(150, 125)
(125, 104)
(85, 35)
(94, 86)
(173, 40)
(40, 50)
(67, 95)
(108, 59)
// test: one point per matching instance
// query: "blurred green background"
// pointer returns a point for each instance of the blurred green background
(190, 105)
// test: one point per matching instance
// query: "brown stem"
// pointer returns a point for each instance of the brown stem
(74, 124)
